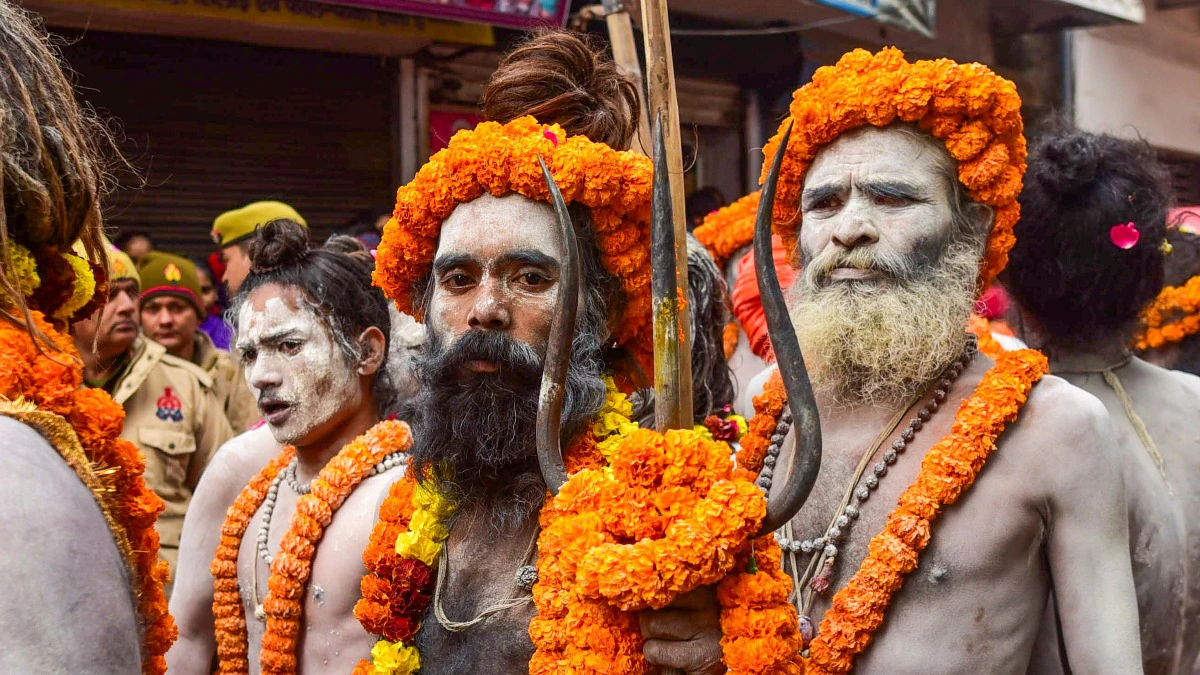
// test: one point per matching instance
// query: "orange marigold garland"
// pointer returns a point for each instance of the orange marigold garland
(669, 514)
(292, 567)
(1171, 317)
(53, 385)
(233, 648)
(729, 229)
(980, 327)
(976, 113)
(947, 471)
(501, 159)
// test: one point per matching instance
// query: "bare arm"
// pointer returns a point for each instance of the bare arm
(1088, 539)
(192, 598)
(66, 606)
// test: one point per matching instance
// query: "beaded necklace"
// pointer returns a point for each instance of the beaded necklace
(824, 549)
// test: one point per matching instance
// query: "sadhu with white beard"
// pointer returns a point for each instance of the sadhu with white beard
(957, 495)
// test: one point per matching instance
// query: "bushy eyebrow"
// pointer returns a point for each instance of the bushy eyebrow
(528, 257)
(270, 338)
(519, 257)
(452, 260)
(893, 189)
(817, 194)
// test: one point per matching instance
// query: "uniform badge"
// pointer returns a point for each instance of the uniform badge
(169, 407)
(171, 273)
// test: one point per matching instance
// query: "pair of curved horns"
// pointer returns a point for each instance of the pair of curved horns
(558, 347)
(806, 458)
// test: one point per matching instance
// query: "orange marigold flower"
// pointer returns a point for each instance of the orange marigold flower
(1172, 316)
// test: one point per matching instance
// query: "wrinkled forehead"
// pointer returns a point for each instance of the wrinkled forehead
(488, 227)
(898, 152)
(272, 311)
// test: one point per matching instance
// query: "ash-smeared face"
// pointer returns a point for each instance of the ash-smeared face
(303, 381)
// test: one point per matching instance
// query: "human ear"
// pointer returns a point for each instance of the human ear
(983, 217)
(373, 346)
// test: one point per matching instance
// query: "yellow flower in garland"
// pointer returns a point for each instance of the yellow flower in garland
(24, 274)
(394, 658)
(613, 424)
(427, 530)
(81, 291)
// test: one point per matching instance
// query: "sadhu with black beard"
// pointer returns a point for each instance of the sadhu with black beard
(472, 567)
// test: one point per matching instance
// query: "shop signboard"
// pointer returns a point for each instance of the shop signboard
(509, 13)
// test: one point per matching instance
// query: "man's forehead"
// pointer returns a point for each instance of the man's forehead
(124, 286)
(490, 226)
(271, 308)
(890, 152)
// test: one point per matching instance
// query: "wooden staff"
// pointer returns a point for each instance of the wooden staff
(625, 55)
(673, 405)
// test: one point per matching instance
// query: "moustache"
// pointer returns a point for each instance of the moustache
(518, 362)
(819, 268)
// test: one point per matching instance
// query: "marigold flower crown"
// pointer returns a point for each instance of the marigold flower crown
(502, 159)
(973, 111)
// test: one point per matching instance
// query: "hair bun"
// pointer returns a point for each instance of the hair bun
(279, 243)
(561, 77)
(1068, 163)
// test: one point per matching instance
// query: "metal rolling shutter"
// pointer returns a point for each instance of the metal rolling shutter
(213, 125)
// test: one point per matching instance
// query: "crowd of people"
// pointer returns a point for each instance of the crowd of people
(968, 442)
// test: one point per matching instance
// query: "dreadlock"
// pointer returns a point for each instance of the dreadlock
(52, 154)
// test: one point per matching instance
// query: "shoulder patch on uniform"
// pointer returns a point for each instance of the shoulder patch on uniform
(201, 374)
(169, 407)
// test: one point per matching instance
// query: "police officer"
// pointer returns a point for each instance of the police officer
(171, 312)
(171, 409)
(233, 230)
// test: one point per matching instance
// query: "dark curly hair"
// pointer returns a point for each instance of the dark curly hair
(566, 78)
(337, 286)
(1064, 270)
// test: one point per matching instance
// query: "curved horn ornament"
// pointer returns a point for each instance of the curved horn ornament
(806, 458)
(558, 347)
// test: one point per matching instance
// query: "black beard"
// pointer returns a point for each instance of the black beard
(475, 432)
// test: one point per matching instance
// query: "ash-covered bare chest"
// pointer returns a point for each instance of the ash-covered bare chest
(331, 639)
(989, 534)
(480, 576)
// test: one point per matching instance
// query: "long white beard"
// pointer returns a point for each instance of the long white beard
(883, 342)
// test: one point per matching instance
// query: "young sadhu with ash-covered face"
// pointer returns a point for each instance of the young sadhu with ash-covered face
(472, 567)
(956, 495)
(271, 552)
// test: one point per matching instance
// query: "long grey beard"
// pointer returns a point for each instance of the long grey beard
(882, 343)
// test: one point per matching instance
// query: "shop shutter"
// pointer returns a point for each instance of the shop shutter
(213, 125)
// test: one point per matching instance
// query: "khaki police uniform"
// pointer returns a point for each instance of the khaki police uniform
(174, 417)
(229, 383)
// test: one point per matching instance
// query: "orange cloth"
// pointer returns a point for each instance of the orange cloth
(747, 303)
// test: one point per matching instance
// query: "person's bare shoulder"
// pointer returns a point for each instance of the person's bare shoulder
(63, 568)
(1063, 441)
(1188, 383)
(236, 462)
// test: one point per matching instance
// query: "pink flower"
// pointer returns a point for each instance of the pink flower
(1124, 236)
